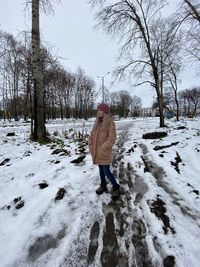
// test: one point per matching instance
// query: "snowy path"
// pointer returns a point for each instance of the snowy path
(124, 233)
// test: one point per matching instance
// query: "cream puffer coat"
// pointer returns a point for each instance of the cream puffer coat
(101, 140)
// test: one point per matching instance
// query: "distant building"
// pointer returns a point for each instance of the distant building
(147, 112)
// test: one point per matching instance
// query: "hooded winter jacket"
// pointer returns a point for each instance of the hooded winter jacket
(101, 140)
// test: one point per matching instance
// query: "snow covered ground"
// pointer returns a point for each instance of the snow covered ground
(156, 222)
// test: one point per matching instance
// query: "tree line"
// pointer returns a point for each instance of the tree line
(65, 94)
(188, 102)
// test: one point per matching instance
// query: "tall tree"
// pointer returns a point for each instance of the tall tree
(133, 20)
(172, 77)
(39, 130)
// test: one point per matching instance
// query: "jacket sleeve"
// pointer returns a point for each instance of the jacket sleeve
(111, 136)
(90, 142)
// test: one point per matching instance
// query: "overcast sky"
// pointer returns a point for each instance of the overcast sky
(71, 32)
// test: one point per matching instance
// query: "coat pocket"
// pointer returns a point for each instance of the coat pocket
(104, 153)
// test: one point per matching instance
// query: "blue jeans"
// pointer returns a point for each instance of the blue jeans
(104, 171)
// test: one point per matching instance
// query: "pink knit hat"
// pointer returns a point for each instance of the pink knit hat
(104, 107)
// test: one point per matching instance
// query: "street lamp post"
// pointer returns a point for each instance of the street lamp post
(102, 81)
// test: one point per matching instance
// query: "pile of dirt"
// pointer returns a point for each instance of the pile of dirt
(154, 135)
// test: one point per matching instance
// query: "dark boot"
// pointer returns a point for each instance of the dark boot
(101, 189)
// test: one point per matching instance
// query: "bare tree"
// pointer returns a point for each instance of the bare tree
(195, 97)
(11, 70)
(190, 99)
(188, 17)
(114, 100)
(39, 131)
(121, 102)
(26, 76)
(192, 9)
(173, 66)
(136, 104)
(172, 77)
(132, 21)
(68, 92)
(125, 102)
(83, 94)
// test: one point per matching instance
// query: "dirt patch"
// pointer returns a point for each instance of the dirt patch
(4, 161)
(147, 168)
(43, 185)
(10, 134)
(60, 194)
(159, 209)
(176, 162)
(194, 190)
(61, 151)
(169, 261)
(19, 202)
(130, 150)
(154, 135)
(161, 147)
(78, 160)
(181, 128)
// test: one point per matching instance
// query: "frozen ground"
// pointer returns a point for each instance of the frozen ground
(156, 222)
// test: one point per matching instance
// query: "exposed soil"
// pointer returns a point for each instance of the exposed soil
(159, 209)
(4, 161)
(176, 162)
(161, 147)
(60, 194)
(154, 135)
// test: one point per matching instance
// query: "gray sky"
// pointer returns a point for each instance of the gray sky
(70, 31)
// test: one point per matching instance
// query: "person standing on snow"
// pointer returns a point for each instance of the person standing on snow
(101, 140)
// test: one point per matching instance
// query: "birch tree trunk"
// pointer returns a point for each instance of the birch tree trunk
(39, 130)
